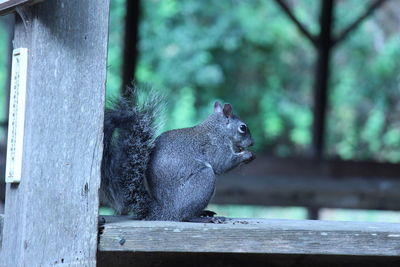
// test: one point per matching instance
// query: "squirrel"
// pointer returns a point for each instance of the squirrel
(170, 177)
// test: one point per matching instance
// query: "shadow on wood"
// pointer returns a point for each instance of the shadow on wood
(125, 259)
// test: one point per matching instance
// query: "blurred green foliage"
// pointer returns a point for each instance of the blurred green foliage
(3, 76)
(115, 47)
(365, 89)
(240, 52)
(249, 54)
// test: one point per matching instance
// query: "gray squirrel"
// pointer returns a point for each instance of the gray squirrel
(171, 177)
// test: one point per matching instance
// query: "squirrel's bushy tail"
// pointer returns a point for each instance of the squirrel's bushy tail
(129, 133)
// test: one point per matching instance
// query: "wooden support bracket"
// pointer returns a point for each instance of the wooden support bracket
(7, 6)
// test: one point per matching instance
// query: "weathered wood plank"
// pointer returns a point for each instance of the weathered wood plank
(51, 216)
(252, 236)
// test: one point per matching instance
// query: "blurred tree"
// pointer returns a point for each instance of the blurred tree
(363, 121)
(250, 54)
(244, 52)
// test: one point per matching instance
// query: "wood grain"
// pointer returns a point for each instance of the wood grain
(51, 216)
(252, 236)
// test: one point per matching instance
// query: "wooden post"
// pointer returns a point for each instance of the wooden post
(130, 43)
(324, 43)
(324, 47)
(51, 215)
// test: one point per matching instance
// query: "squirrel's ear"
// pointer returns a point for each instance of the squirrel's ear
(228, 110)
(217, 107)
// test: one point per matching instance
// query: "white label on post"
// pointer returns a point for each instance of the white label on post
(16, 121)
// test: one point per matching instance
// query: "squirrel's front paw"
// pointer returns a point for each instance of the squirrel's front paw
(248, 156)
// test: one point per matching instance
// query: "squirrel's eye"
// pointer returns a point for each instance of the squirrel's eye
(242, 128)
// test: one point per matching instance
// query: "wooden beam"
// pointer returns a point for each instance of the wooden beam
(312, 213)
(308, 167)
(7, 6)
(343, 35)
(252, 236)
(310, 192)
(130, 43)
(322, 71)
(312, 183)
(51, 215)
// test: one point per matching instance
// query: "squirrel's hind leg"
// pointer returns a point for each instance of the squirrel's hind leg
(194, 194)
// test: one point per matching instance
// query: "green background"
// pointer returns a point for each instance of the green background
(249, 54)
